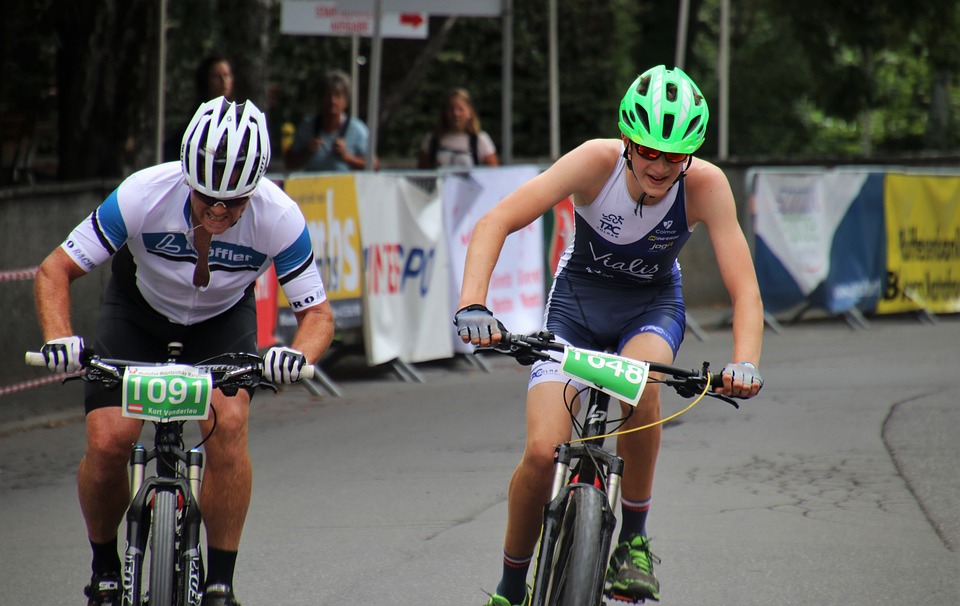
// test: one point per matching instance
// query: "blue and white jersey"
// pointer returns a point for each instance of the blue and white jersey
(150, 213)
(619, 245)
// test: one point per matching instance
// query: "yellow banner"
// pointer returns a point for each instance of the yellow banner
(329, 204)
(923, 244)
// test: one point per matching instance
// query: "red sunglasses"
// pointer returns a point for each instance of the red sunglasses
(227, 202)
(648, 153)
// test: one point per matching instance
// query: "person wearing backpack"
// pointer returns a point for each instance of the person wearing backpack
(332, 139)
(458, 139)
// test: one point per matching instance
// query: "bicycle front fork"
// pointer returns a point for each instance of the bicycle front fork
(566, 453)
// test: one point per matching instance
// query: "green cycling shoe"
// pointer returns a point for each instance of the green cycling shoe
(499, 600)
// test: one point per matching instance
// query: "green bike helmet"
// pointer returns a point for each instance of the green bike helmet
(665, 110)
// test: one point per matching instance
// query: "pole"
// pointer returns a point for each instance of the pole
(506, 95)
(724, 76)
(554, 84)
(161, 79)
(680, 55)
(373, 102)
(354, 74)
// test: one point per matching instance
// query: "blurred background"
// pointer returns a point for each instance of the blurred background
(82, 93)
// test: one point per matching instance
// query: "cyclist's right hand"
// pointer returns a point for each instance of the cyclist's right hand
(63, 354)
(476, 324)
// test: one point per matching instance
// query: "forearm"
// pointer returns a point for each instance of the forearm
(481, 259)
(747, 328)
(51, 290)
(314, 331)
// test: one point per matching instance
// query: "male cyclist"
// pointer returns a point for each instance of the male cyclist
(618, 286)
(188, 241)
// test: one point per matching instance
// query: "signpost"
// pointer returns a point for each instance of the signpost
(330, 19)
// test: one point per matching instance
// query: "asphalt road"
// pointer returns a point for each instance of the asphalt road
(838, 485)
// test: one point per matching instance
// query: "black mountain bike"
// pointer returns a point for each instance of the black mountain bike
(579, 519)
(163, 519)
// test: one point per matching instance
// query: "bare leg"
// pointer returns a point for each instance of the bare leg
(228, 473)
(639, 450)
(548, 424)
(102, 481)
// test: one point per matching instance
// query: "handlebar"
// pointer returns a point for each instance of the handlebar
(231, 371)
(686, 382)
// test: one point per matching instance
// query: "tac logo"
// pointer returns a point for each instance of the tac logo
(610, 224)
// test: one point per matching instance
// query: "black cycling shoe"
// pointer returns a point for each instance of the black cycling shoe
(103, 590)
(219, 594)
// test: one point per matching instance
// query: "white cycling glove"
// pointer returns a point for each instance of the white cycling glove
(283, 365)
(63, 354)
(476, 322)
(745, 372)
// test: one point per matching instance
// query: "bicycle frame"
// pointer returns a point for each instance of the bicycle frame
(171, 462)
(597, 471)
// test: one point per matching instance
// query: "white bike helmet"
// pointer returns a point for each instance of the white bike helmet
(225, 149)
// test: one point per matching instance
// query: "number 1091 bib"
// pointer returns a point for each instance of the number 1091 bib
(166, 393)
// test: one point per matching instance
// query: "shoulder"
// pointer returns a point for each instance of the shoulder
(358, 126)
(485, 143)
(272, 198)
(704, 178)
(708, 191)
(153, 183)
(594, 159)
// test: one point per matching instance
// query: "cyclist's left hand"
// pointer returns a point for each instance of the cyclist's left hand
(283, 365)
(741, 380)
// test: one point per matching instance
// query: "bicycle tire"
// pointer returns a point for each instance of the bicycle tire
(163, 548)
(576, 572)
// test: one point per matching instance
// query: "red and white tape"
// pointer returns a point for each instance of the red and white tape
(25, 385)
(19, 274)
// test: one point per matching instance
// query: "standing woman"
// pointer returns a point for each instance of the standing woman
(458, 139)
(637, 199)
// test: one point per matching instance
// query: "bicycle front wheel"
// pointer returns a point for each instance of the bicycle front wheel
(577, 568)
(163, 548)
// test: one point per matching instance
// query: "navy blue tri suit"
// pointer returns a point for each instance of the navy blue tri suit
(620, 276)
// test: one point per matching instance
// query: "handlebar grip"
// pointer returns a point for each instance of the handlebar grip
(308, 371)
(34, 358)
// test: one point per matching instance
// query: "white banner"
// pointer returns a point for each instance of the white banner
(797, 216)
(406, 306)
(516, 294)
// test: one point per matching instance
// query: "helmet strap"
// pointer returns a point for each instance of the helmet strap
(639, 201)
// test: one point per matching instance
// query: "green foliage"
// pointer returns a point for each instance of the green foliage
(806, 77)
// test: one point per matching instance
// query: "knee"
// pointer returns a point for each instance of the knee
(108, 450)
(229, 438)
(538, 457)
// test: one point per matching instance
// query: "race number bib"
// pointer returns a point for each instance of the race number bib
(620, 377)
(166, 393)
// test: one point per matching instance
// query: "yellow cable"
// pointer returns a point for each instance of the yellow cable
(660, 422)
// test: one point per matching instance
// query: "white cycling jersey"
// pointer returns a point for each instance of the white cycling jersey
(150, 213)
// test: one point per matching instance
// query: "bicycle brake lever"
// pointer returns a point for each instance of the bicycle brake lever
(268, 385)
(726, 399)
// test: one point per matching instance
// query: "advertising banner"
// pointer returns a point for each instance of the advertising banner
(265, 293)
(923, 244)
(329, 203)
(516, 294)
(819, 238)
(406, 313)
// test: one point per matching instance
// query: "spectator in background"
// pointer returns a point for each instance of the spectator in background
(331, 140)
(213, 78)
(458, 140)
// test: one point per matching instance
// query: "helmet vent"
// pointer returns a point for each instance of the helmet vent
(671, 92)
(694, 126)
(668, 122)
(643, 117)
